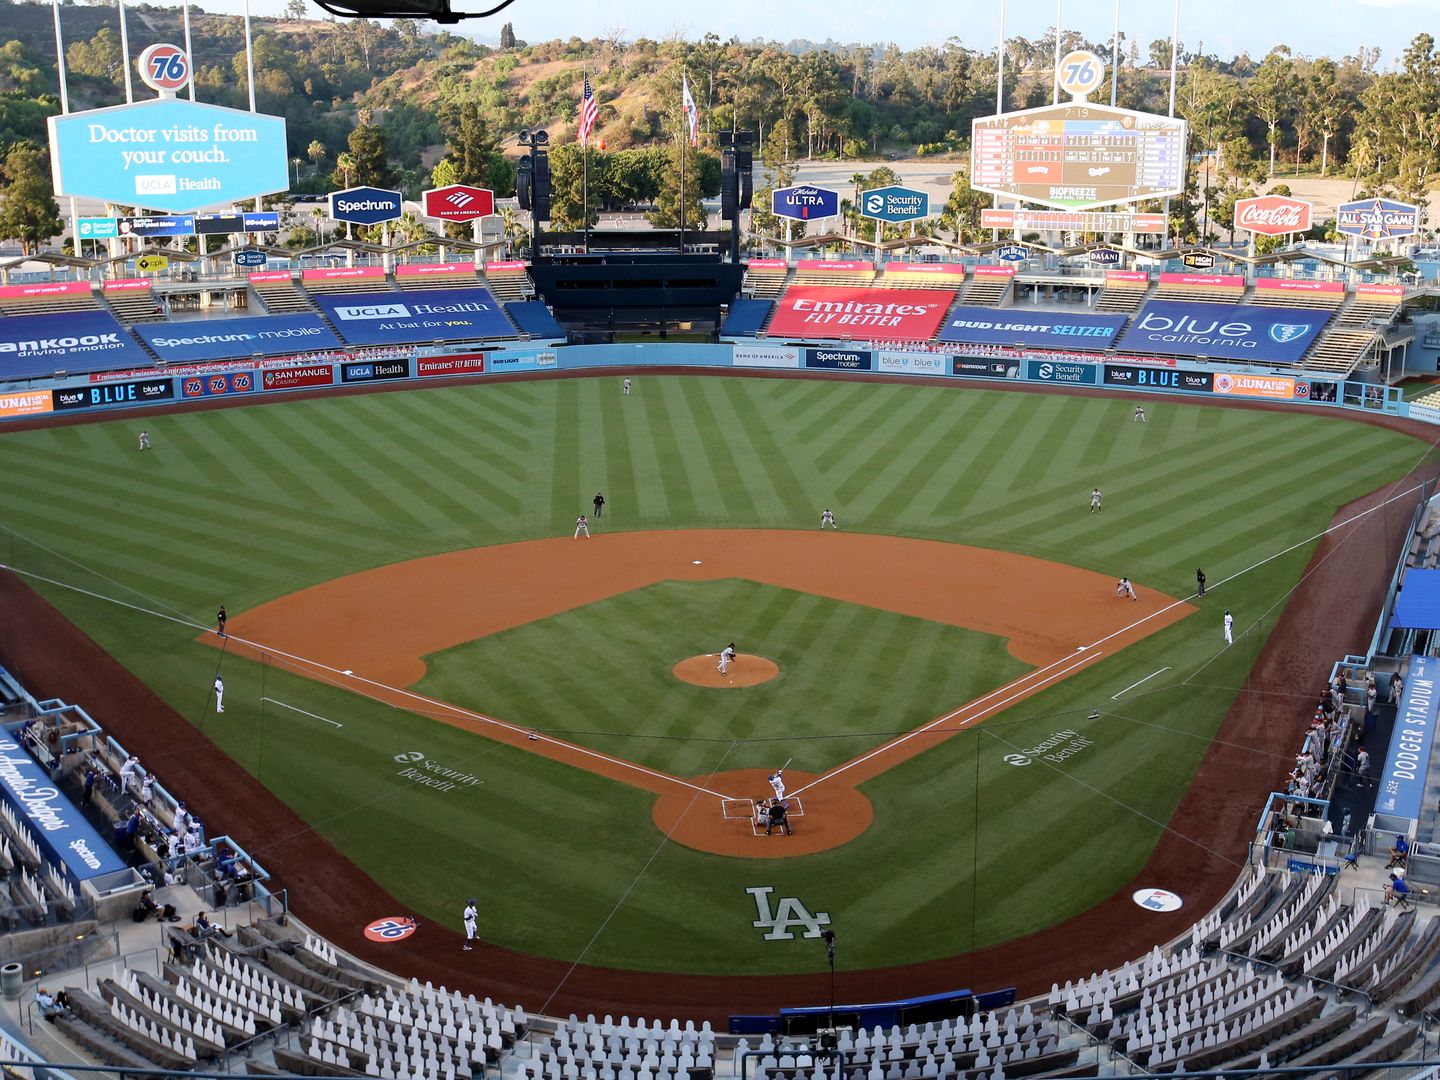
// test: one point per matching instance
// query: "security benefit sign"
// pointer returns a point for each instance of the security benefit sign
(169, 155)
(76, 341)
(1049, 329)
(1241, 332)
(839, 311)
(224, 339)
(431, 315)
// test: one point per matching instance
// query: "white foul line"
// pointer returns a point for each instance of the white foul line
(1147, 678)
(293, 708)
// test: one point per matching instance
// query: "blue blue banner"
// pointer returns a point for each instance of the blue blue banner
(1242, 332)
(1045, 329)
(64, 834)
(1402, 780)
(33, 345)
(429, 315)
(224, 339)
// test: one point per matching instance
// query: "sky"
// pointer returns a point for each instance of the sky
(1312, 27)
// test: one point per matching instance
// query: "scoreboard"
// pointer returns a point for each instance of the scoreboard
(1077, 156)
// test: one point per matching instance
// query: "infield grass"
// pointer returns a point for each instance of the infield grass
(243, 505)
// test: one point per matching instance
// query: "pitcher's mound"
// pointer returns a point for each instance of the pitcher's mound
(747, 670)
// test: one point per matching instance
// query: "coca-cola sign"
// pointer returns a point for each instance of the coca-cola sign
(1273, 215)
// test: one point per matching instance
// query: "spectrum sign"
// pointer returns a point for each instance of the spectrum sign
(840, 311)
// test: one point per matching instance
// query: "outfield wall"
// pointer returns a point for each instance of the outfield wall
(263, 377)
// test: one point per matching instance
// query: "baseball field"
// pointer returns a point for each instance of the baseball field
(428, 669)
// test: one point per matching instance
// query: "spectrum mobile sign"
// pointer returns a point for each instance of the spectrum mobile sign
(169, 155)
(838, 311)
(1225, 331)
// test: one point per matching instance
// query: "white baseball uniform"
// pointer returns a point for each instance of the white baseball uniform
(469, 917)
(627, 386)
(777, 784)
(581, 525)
(727, 657)
(219, 694)
(1229, 622)
(827, 518)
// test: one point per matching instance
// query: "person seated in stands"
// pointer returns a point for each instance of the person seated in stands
(147, 907)
(1399, 851)
(1396, 890)
(204, 928)
(52, 1006)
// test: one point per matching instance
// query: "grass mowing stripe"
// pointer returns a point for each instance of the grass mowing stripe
(840, 444)
(750, 469)
(706, 476)
(876, 460)
(1052, 427)
(468, 435)
(990, 476)
(244, 435)
(680, 496)
(647, 475)
(792, 490)
(899, 482)
(566, 498)
(592, 468)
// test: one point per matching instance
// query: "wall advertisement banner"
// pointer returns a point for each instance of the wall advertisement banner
(55, 821)
(235, 382)
(1013, 326)
(1060, 371)
(1288, 285)
(457, 364)
(1244, 332)
(937, 269)
(839, 359)
(47, 288)
(434, 315)
(1159, 378)
(1274, 387)
(974, 367)
(851, 311)
(370, 371)
(424, 270)
(137, 392)
(219, 339)
(74, 340)
(501, 363)
(294, 378)
(1402, 779)
(765, 356)
(26, 403)
(912, 363)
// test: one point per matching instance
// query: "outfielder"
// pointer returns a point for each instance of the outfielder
(1229, 622)
(219, 694)
(469, 918)
(627, 386)
(1095, 501)
(581, 525)
(1139, 417)
(144, 440)
(777, 783)
(828, 518)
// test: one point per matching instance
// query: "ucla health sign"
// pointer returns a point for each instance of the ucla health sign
(169, 155)
(429, 315)
(1243, 332)
(1014, 326)
(894, 204)
(61, 829)
(1402, 780)
(224, 339)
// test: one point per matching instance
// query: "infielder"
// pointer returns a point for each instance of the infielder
(828, 518)
(469, 918)
(581, 525)
(1129, 588)
(1095, 501)
(219, 694)
(144, 440)
(777, 783)
(727, 657)
(1229, 622)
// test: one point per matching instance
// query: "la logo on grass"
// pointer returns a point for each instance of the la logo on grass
(790, 913)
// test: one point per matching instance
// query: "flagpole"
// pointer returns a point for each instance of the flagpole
(684, 138)
(585, 174)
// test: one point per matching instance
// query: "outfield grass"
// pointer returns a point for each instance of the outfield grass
(243, 505)
(850, 676)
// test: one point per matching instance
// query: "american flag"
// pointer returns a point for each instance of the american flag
(692, 114)
(589, 111)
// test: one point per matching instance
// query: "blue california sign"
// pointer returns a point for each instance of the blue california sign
(169, 155)
(804, 201)
(365, 205)
(894, 204)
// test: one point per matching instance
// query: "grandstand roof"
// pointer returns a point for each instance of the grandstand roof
(1417, 605)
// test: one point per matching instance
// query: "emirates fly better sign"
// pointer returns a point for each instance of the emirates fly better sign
(1273, 215)
(827, 311)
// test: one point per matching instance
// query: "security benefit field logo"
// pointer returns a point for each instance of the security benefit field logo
(781, 920)
(1057, 747)
(429, 773)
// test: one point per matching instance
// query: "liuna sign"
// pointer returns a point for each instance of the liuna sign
(366, 205)
(894, 204)
(169, 155)
(804, 202)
